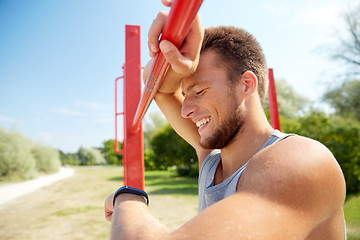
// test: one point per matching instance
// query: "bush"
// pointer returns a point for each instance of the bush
(108, 150)
(21, 159)
(90, 156)
(16, 160)
(47, 159)
(188, 171)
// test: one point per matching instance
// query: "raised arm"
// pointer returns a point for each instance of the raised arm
(183, 63)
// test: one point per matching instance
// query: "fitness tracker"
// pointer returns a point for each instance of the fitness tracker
(131, 190)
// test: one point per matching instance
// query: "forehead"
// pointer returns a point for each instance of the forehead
(208, 71)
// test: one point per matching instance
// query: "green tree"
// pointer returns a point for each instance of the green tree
(90, 156)
(69, 158)
(168, 149)
(152, 123)
(84, 158)
(345, 99)
(108, 151)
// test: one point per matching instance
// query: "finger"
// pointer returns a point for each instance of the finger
(155, 32)
(108, 216)
(167, 2)
(180, 63)
(147, 70)
(108, 207)
(195, 35)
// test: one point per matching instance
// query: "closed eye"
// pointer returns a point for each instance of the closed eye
(200, 92)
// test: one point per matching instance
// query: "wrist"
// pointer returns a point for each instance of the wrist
(130, 193)
(128, 198)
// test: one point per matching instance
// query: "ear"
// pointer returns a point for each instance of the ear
(249, 82)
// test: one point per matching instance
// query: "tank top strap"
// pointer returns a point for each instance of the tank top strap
(275, 137)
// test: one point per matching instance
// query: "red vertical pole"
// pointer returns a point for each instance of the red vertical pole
(133, 148)
(273, 104)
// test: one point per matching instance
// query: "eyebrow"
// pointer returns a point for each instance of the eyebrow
(188, 89)
(192, 86)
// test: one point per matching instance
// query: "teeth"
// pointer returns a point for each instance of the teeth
(202, 122)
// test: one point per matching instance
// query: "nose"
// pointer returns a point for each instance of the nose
(188, 108)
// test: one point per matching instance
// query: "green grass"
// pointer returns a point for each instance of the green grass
(71, 211)
(166, 182)
(352, 216)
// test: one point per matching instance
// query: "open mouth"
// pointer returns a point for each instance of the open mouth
(202, 122)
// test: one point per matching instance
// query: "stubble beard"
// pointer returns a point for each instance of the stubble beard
(228, 129)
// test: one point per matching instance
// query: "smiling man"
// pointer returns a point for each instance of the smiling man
(255, 182)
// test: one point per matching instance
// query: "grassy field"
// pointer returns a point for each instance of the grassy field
(352, 216)
(73, 208)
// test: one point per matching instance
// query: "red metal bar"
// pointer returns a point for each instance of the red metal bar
(133, 141)
(273, 104)
(117, 150)
(178, 23)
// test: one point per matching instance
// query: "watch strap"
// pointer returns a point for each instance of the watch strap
(131, 190)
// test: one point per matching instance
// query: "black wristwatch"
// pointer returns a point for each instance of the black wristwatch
(131, 190)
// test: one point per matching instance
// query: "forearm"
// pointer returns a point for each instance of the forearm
(170, 106)
(132, 220)
(171, 82)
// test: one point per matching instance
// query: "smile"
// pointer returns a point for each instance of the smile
(202, 122)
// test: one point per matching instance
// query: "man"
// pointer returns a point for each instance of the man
(260, 183)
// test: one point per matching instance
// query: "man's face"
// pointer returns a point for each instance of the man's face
(212, 103)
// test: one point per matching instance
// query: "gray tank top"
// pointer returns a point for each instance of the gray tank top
(210, 194)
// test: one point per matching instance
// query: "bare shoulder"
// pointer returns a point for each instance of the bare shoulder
(299, 172)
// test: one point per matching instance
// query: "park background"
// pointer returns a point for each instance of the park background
(59, 60)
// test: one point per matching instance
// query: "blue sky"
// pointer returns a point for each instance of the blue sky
(59, 59)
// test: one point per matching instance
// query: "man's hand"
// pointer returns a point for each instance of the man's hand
(183, 60)
(131, 219)
(108, 207)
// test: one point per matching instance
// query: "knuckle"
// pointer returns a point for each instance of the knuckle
(162, 15)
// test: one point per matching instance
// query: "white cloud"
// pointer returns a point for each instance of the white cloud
(68, 112)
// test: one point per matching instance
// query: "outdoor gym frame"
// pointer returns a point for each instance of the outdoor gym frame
(178, 23)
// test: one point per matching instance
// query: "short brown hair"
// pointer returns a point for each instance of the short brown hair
(239, 52)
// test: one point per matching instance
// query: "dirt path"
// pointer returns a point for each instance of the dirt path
(12, 191)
